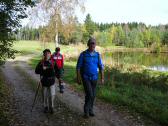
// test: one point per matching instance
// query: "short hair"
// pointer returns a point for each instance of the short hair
(46, 50)
(57, 49)
(91, 40)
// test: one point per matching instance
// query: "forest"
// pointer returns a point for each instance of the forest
(131, 34)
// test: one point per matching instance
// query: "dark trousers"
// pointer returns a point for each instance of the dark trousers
(90, 93)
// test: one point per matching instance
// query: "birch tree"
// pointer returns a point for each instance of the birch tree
(58, 13)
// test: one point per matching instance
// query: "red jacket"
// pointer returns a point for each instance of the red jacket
(58, 59)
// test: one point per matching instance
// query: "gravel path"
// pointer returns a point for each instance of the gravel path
(23, 95)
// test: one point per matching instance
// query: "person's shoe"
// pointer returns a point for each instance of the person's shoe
(86, 116)
(51, 110)
(61, 89)
(91, 114)
(45, 109)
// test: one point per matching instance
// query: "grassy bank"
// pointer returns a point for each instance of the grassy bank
(8, 113)
(144, 92)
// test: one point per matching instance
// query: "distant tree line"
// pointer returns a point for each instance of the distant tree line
(120, 34)
(27, 33)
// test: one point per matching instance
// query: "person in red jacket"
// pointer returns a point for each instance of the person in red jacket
(58, 60)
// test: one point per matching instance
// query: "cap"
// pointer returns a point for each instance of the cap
(46, 50)
(91, 40)
(57, 49)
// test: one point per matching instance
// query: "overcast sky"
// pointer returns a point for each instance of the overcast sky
(152, 12)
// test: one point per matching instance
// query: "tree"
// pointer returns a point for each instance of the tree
(69, 29)
(134, 39)
(27, 33)
(103, 38)
(165, 38)
(76, 36)
(155, 36)
(146, 37)
(59, 13)
(90, 25)
(118, 35)
(11, 12)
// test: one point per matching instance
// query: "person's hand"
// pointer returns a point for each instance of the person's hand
(78, 80)
(44, 67)
(78, 77)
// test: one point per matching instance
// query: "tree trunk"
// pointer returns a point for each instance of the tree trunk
(56, 39)
(56, 31)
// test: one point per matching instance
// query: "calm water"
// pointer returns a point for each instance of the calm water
(153, 61)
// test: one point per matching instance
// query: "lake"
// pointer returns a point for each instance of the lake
(153, 61)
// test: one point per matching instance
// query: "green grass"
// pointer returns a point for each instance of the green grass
(34, 61)
(31, 47)
(144, 92)
(36, 47)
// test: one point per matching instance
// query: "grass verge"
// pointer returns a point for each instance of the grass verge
(4, 103)
(145, 93)
(8, 113)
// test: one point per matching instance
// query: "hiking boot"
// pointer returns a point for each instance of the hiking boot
(61, 91)
(86, 116)
(61, 88)
(45, 109)
(51, 110)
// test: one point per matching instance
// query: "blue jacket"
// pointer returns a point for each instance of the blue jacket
(89, 64)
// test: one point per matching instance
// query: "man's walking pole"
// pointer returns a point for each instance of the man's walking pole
(36, 94)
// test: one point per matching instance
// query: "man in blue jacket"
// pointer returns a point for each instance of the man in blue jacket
(88, 66)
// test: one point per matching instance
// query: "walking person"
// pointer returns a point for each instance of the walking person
(58, 60)
(46, 70)
(88, 65)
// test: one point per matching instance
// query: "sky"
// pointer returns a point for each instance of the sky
(150, 12)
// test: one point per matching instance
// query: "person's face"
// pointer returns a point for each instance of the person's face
(57, 52)
(47, 55)
(92, 46)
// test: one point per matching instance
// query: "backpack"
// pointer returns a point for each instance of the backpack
(38, 69)
(84, 55)
(57, 61)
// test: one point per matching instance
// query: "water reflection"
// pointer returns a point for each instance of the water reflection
(153, 61)
(159, 68)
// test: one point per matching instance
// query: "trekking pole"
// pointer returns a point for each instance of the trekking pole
(35, 97)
